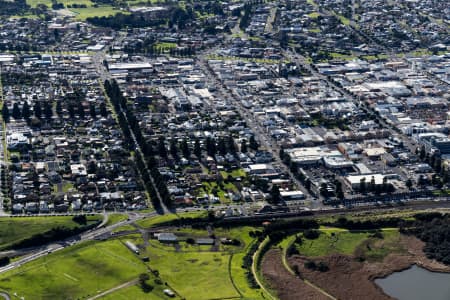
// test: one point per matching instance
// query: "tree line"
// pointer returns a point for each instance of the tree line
(147, 164)
(55, 234)
(434, 230)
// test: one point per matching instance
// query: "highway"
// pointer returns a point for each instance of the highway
(31, 254)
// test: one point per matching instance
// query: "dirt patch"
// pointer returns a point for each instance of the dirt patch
(348, 278)
(284, 283)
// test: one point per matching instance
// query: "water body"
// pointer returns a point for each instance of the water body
(416, 283)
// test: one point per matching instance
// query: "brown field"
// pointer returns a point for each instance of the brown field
(284, 283)
(347, 278)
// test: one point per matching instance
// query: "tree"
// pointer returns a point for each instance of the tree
(5, 113)
(71, 110)
(92, 111)
(311, 234)
(307, 184)
(48, 111)
(221, 146)
(197, 148)
(437, 164)
(323, 189)
(211, 146)
(16, 111)
(275, 195)
(362, 185)
(37, 110)
(372, 184)
(409, 183)
(92, 167)
(59, 108)
(103, 110)
(146, 288)
(174, 149)
(4, 261)
(338, 191)
(284, 39)
(253, 144)
(384, 187)
(80, 110)
(322, 267)
(185, 149)
(162, 151)
(422, 153)
(26, 111)
(244, 146)
(309, 264)
(231, 145)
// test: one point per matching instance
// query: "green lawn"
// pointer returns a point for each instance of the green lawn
(336, 55)
(101, 11)
(142, 2)
(344, 20)
(124, 228)
(215, 271)
(341, 242)
(135, 292)
(165, 46)
(194, 275)
(334, 240)
(314, 30)
(222, 192)
(13, 230)
(116, 218)
(81, 13)
(76, 272)
(34, 3)
(87, 269)
(155, 221)
(314, 15)
(235, 173)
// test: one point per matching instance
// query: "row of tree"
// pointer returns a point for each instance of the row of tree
(45, 110)
(129, 124)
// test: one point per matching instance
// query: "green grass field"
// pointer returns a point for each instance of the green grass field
(76, 272)
(334, 240)
(81, 13)
(13, 230)
(124, 228)
(218, 274)
(194, 275)
(101, 11)
(155, 221)
(34, 3)
(341, 242)
(135, 292)
(314, 15)
(116, 218)
(235, 173)
(195, 272)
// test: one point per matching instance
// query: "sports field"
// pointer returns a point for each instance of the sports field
(77, 272)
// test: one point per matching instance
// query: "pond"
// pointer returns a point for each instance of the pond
(416, 283)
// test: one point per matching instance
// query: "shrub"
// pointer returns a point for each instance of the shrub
(322, 267)
(311, 234)
(309, 264)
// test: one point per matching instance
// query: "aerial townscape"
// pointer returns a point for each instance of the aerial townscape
(233, 149)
